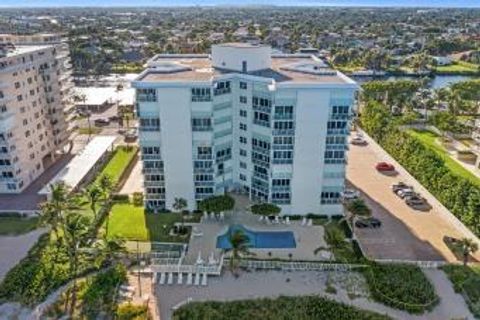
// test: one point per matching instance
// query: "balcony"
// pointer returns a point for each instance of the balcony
(142, 97)
(151, 157)
(218, 92)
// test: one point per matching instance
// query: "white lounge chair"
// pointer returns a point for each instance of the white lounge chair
(199, 259)
(277, 220)
(170, 278)
(260, 218)
(204, 279)
(180, 278)
(162, 278)
(211, 259)
(197, 279)
(189, 279)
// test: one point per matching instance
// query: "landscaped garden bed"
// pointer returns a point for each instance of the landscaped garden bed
(402, 287)
(305, 308)
(466, 281)
(15, 225)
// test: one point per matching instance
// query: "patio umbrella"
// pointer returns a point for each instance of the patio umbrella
(199, 258)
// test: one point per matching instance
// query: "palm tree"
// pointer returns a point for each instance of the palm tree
(108, 250)
(240, 244)
(179, 205)
(357, 208)
(466, 247)
(75, 229)
(106, 186)
(94, 194)
(54, 210)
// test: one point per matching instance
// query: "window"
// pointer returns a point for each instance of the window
(243, 113)
(243, 126)
(201, 124)
(17, 85)
(243, 177)
(262, 119)
(244, 66)
(243, 140)
(243, 152)
(243, 85)
(243, 165)
(201, 94)
(243, 99)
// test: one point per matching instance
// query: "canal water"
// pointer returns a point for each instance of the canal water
(437, 82)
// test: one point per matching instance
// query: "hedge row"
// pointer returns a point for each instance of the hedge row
(282, 308)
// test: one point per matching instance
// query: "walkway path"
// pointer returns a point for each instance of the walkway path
(251, 285)
(15, 248)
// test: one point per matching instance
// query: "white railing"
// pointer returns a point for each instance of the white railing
(297, 266)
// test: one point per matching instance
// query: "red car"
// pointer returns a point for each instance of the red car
(383, 166)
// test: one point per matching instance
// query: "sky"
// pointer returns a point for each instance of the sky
(138, 3)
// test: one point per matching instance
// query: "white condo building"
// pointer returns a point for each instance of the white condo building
(242, 118)
(35, 106)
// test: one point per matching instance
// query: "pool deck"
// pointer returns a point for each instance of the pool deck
(307, 238)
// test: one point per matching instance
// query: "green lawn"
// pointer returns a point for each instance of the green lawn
(133, 223)
(458, 67)
(92, 130)
(428, 139)
(119, 162)
(466, 280)
(17, 225)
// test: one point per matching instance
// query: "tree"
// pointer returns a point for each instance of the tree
(53, 211)
(94, 194)
(239, 242)
(75, 229)
(357, 208)
(466, 247)
(108, 250)
(265, 209)
(180, 205)
(106, 185)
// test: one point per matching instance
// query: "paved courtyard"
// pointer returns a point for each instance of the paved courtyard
(405, 233)
(134, 182)
(307, 238)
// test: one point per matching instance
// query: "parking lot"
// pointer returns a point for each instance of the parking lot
(405, 234)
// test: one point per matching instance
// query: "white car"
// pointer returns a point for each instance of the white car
(358, 141)
(350, 194)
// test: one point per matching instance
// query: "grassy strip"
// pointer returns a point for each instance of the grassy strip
(305, 308)
(17, 225)
(402, 287)
(428, 138)
(466, 281)
(120, 160)
(458, 67)
(135, 223)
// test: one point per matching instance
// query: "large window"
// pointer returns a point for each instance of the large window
(201, 124)
(201, 94)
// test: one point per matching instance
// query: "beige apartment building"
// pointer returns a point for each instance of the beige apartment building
(35, 107)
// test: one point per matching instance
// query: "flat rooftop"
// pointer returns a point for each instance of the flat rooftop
(80, 166)
(20, 49)
(294, 68)
(99, 95)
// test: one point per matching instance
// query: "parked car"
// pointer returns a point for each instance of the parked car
(415, 201)
(358, 141)
(368, 223)
(384, 167)
(102, 122)
(409, 192)
(114, 118)
(399, 186)
(350, 194)
(131, 134)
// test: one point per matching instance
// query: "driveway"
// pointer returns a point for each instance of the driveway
(405, 234)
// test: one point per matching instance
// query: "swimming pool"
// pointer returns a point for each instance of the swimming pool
(259, 239)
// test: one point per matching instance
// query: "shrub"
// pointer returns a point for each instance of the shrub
(120, 198)
(466, 281)
(403, 287)
(130, 311)
(265, 209)
(99, 293)
(306, 307)
(217, 204)
(138, 199)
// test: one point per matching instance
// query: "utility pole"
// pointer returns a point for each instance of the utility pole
(138, 273)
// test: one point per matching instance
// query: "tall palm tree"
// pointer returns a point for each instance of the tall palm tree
(240, 247)
(356, 208)
(466, 247)
(108, 250)
(94, 194)
(106, 185)
(75, 229)
(180, 204)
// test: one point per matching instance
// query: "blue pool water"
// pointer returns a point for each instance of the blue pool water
(259, 239)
